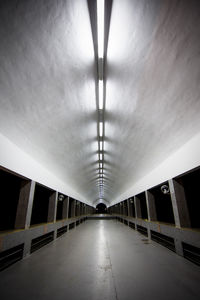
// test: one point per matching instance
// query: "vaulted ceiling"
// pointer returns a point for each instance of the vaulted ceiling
(48, 102)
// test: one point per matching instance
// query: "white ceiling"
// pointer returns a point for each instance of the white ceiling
(47, 87)
(153, 85)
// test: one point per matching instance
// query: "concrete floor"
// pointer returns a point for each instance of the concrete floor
(101, 259)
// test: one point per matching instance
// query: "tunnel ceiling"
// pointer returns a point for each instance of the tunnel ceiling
(48, 95)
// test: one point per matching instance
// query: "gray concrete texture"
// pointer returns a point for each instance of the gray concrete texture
(101, 260)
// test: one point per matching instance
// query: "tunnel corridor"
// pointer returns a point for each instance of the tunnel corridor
(101, 259)
(99, 149)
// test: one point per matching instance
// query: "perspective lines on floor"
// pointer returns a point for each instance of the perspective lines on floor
(102, 259)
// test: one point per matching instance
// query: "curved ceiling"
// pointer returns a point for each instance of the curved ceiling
(48, 88)
(153, 90)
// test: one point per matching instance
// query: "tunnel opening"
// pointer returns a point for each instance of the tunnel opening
(40, 204)
(101, 208)
(11, 185)
(163, 204)
(190, 183)
(71, 208)
(59, 210)
(143, 205)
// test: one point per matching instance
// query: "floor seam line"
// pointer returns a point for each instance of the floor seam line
(112, 270)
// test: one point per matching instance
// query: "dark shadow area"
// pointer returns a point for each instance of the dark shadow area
(59, 212)
(101, 208)
(11, 256)
(190, 183)
(40, 204)
(41, 241)
(143, 205)
(77, 209)
(125, 213)
(9, 195)
(163, 204)
(70, 207)
(132, 208)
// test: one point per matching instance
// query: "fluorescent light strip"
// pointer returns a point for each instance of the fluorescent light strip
(100, 94)
(100, 129)
(100, 27)
(101, 146)
(100, 156)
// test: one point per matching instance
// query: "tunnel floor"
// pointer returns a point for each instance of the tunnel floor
(101, 259)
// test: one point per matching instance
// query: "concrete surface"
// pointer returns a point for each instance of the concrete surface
(101, 260)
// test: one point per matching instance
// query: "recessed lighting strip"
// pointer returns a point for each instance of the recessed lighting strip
(100, 27)
(100, 42)
(100, 31)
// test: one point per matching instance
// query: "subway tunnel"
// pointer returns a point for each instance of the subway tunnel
(99, 149)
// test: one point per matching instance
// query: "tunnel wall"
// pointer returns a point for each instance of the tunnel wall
(13, 158)
(186, 158)
(172, 214)
(31, 216)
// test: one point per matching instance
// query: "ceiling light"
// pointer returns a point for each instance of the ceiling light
(101, 146)
(100, 129)
(100, 27)
(100, 156)
(100, 94)
(61, 197)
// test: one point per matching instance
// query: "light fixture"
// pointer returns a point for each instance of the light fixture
(100, 50)
(165, 189)
(100, 94)
(100, 27)
(100, 129)
(61, 197)
(101, 145)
